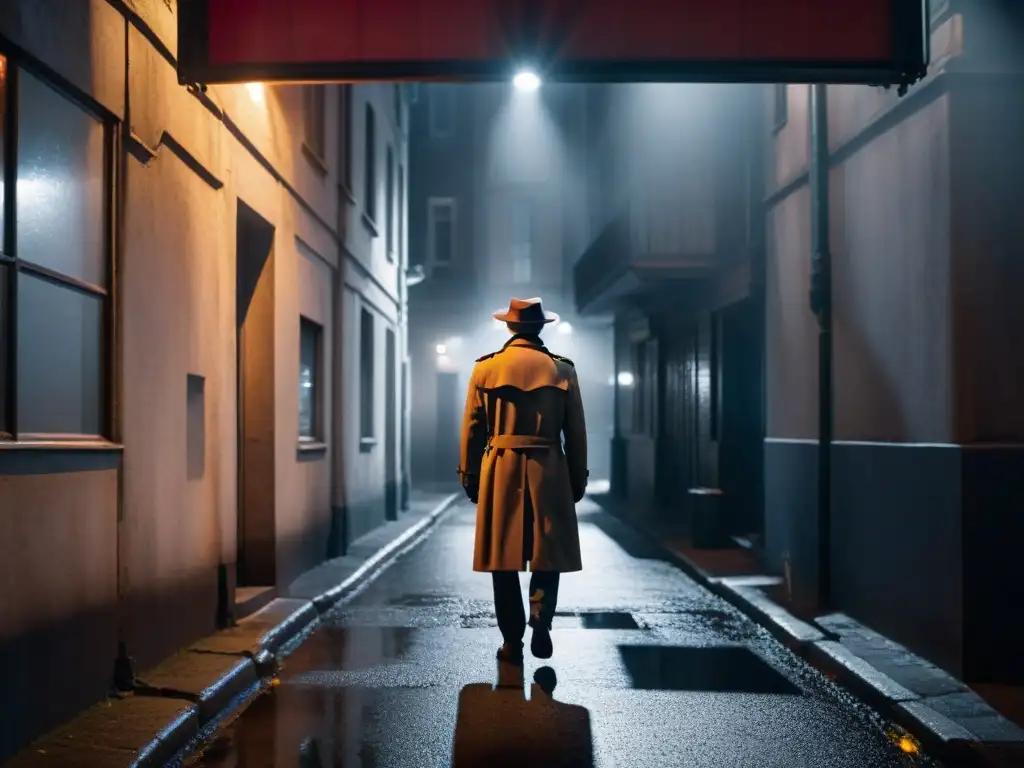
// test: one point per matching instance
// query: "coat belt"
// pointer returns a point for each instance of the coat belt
(523, 441)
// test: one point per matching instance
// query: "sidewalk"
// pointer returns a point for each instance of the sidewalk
(187, 696)
(948, 717)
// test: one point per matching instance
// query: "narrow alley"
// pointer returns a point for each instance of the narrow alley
(650, 670)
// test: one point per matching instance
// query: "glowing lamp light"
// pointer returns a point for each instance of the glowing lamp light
(255, 92)
(526, 80)
(441, 349)
(625, 379)
(564, 328)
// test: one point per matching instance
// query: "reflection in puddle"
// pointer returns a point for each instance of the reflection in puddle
(275, 731)
(497, 726)
(350, 648)
(298, 725)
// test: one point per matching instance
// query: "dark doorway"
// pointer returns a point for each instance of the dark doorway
(448, 427)
(741, 463)
(256, 561)
(677, 454)
(390, 427)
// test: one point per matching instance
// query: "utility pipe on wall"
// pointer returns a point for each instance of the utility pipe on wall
(821, 305)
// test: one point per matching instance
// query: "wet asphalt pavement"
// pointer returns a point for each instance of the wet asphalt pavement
(650, 669)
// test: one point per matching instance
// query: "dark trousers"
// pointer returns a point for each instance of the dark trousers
(508, 602)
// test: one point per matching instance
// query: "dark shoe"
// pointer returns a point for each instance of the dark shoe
(540, 644)
(511, 654)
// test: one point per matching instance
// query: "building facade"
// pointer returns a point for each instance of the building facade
(708, 273)
(203, 326)
(926, 268)
(497, 210)
(674, 255)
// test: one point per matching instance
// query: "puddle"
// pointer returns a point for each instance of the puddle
(720, 670)
(349, 649)
(608, 621)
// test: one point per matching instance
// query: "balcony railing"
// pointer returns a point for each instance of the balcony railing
(653, 239)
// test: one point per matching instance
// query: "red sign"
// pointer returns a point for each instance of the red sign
(870, 41)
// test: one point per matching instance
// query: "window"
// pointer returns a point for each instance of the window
(441, 234)
(345, 137)
(780, 105)
(370, 175)
(315, 120)
(401, 215)
(55, 263)
(442, 111)
(310, 402)
(521, 241)
(366, 375)
(389, 206)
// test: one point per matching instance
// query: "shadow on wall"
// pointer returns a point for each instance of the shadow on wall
(791, 479)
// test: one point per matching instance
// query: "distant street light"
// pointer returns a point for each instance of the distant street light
(625, 379)
(564, 328)
(441, 349)
(526, 80)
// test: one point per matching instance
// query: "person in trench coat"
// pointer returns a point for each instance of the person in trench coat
(522, 401)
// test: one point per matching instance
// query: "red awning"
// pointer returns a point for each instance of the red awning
(700, 40)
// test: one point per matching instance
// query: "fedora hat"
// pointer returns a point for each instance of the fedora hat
(525, 311)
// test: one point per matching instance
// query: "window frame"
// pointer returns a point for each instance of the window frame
(780, 106)
(400, 214)
(10, 435)
(345, 140)
(389, 204)
(437, 128)
(316, 439)
(314, 119)
(367, 377)
(433, 203)
(370, 166)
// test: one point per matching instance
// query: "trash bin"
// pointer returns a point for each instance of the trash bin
(708, 528)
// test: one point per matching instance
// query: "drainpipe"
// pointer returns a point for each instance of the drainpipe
(821, 305)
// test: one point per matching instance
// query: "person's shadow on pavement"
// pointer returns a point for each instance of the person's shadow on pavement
(498, 727)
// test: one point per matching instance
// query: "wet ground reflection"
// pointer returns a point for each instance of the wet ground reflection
(310, 717)
(654, 672)
(499, 727)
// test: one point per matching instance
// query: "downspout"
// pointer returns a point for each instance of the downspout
(821, 305)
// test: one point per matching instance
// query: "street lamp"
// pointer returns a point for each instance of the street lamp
(526, 80)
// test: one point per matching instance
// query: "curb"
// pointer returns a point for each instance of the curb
(383, 558)
(940, 736)
(294, 620)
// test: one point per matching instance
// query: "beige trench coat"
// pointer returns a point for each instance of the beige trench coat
(520, 403)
